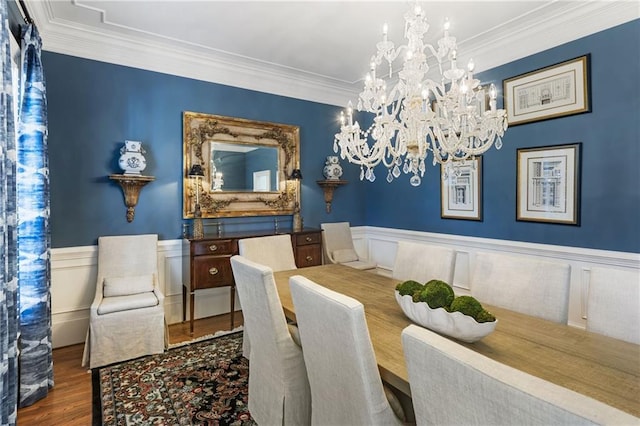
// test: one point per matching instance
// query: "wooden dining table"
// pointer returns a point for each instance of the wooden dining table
(600, 367)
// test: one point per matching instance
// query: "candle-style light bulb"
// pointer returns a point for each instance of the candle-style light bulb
(342, 119)
(425, 98)
(493, 92)
(385, 30)
(471, 65)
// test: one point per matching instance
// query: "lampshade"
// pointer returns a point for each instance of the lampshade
(196, 171)
(296, 174)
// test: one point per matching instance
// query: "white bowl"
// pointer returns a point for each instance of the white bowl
(454, 324)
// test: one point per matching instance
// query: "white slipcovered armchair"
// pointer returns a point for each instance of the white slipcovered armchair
(613, 306)
(274, 251)
(476, 390)
(345, 383)
(424, 262)
(338, 246)
(523, 284)
(278, 386)
(127, 314)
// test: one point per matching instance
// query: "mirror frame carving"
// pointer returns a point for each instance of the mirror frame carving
(199, 129)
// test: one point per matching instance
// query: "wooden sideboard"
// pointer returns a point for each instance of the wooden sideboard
(208, 264)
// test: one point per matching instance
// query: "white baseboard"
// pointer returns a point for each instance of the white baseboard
(74, 270)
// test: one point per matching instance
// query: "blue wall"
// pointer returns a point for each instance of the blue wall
(94, 107)
(610, 136)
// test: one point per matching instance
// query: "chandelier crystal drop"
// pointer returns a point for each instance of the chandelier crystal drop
(415, 114)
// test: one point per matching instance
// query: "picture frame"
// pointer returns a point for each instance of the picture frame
(556, 91)
(461, 194)
(548, 184)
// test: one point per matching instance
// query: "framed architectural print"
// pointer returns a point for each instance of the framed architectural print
(555, 91)
(548, 188)
(461, 191)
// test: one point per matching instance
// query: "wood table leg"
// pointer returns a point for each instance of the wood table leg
(191, 311)
(184, 303)
(233, 303)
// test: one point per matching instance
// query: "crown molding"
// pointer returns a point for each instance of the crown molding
(547, 27)
(544, 28)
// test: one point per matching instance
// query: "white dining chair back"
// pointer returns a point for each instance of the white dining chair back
(453, 385)
(613, 305)
(126, 318)
(346, 388)
(424, 262)
(278, 387)
(338, 247)
(523, 284)
(274, 251)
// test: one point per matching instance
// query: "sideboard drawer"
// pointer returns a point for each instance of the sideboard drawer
(309, 255)
(217, 247)
(212, 271)
(308, 238)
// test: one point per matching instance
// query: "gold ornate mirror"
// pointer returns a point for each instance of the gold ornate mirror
(245, 165)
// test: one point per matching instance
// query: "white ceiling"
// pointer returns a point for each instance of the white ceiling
(315, 50)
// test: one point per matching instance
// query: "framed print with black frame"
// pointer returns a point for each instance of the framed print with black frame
(461, 191)
(556, 91)
(548, 184)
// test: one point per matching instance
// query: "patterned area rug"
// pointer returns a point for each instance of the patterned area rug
(203, 383)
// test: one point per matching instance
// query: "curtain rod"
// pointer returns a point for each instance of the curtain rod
(25, 12)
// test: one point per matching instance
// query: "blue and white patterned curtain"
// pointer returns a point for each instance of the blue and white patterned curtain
(34, 241)
(8, 253)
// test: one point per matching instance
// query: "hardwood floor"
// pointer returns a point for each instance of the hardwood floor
(69, 402)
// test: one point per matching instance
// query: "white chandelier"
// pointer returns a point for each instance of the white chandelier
(418, 115)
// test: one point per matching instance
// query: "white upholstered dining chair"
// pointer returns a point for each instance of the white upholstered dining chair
(523, 284)
(424, 262)
(451, 384)
(338, 247)
(613, 306)
(126, 318)
(278, 386)
(346, 388)
(274, 251)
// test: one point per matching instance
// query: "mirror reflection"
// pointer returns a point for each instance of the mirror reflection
(243, 168)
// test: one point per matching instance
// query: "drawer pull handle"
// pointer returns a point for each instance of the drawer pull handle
(309, 239)
(309, 258)
(213, 271)
(213, 247)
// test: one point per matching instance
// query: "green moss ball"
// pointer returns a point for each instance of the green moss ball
(485, 316)
(437, 294)
(467, 305)
(409, 287)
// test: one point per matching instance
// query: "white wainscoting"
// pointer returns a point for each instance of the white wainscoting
(74, 270)
(379, 245)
